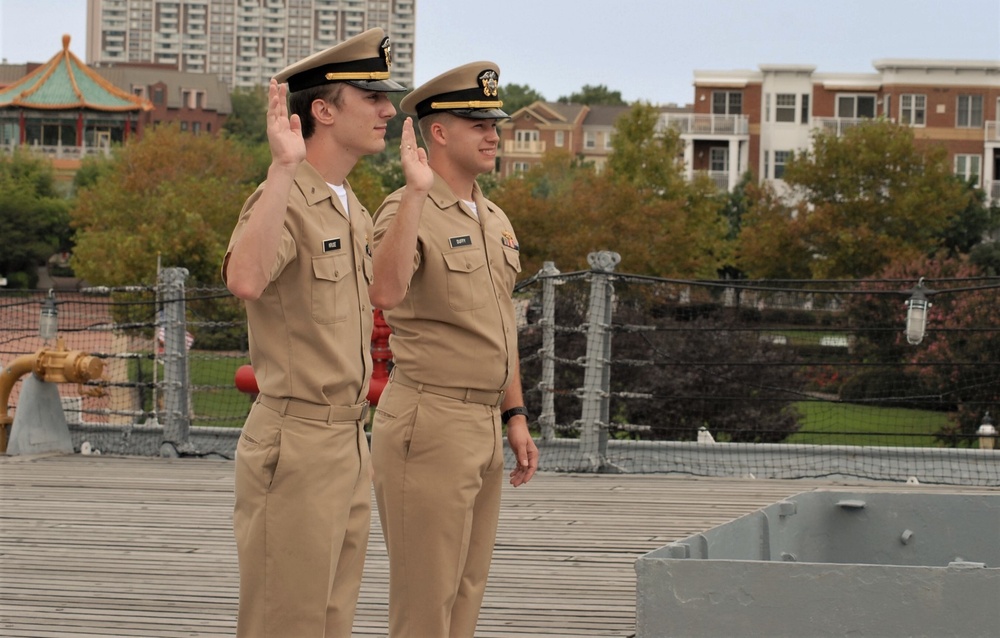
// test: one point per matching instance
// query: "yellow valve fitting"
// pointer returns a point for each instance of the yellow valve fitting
(55, 366)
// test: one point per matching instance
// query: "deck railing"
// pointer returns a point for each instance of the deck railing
(705, 124)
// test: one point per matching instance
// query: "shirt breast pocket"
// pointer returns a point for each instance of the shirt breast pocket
(468, 280)
(330, 289)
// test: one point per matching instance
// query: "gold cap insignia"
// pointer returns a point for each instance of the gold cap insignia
(387, 52)
(489, 79)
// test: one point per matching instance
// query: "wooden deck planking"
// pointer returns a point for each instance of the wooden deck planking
(142, 547)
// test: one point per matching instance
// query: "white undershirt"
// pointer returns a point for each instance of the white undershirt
(341, 192)
(472, 207)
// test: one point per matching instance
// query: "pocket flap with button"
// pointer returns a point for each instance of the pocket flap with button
(330, 267)
(513, 258)
(465, 260)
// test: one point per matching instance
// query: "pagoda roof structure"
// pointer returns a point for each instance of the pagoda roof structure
(66, 83)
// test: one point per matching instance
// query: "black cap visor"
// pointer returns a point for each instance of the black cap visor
(478, 114)
(384, 86)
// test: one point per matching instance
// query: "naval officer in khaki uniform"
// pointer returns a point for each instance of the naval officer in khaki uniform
(446, 259)
(300, 256)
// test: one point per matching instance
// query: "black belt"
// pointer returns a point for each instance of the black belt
(315, 411)
(469, 395)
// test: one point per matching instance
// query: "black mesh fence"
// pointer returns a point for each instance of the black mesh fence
(624, 373)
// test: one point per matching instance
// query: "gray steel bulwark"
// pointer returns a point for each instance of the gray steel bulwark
(832, 564)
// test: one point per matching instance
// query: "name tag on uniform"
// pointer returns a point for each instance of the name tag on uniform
(458, 242)
(331, 244)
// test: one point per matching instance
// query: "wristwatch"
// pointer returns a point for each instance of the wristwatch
(507, 414)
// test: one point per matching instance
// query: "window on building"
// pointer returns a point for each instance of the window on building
(718, 159)
(524, 139)
(727, 103)
(855, 106)
(196, 127)
(780, 159)
(912, 109)
(158, 96)
(184, 126)
(589, 139)
(804, 115)
(970, 111)
(784, 107)
(520, 167)
(767, 164)
(560, 138)
(968, 167)
(609, 139)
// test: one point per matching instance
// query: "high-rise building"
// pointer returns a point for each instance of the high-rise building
(243, 42)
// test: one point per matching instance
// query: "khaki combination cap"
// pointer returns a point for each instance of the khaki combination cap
(362, 61)
(470, 91)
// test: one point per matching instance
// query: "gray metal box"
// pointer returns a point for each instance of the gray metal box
(832, 564)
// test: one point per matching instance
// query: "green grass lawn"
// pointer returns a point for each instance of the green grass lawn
(217, 402)
(849, 424)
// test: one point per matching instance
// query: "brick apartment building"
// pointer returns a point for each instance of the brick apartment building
(583, 131)
(198, 102)
(755, 120)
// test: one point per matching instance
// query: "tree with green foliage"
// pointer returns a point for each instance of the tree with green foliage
(590, 95)
(517, 96)
(768, 246)
(640, 206)
(646, 158)
(34, 218)
(374, 177)
(953, 367)
(246, 125)
(734, 207)
(539, 207)
(973, 225)
(171, 194)
(871, 196)
(247, 122)
(679, 228)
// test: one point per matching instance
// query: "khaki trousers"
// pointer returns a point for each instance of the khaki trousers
(438, 471)
(301, 521)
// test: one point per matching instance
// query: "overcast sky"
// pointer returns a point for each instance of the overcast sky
(646, 49)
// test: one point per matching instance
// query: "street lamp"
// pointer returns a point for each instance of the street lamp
(48, 322)
(916, 314)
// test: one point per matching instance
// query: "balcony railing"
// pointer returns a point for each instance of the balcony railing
(58, 152)
(524, 146)
(837, 125)
(721, 178)
(992, 189)
(704, 124)
(993, 131)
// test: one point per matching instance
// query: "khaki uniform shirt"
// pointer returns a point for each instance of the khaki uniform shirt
(456, 326)
(308, 341)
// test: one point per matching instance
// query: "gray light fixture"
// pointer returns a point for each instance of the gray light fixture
(48, 322)
(916, 314)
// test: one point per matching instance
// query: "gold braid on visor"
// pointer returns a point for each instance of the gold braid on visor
(357, 75)
(470, 104)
